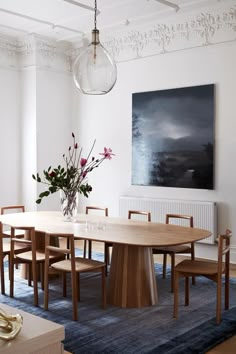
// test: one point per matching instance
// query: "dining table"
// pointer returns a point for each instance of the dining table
(132, 279)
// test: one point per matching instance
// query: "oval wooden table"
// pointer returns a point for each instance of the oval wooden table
(132, 281)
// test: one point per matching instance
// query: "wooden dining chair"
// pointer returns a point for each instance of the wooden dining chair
(5, 250)
(30, 255)
(12, 209)
(73, 265)
(146, 214)
(6, 229)
(2, 255)
(87, 211)
(209, 269)
(173, 250)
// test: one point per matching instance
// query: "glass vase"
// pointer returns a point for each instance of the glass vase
(69, 204)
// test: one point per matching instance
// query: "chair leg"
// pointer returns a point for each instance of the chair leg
(2, 276)
(89, 249)
(78, 286)
(11, 270)
(35, 280)
(46, 270)
(172, 271)
(186, 291)
(64, 287)
(176, 293)
(67, 246)
(74, 295)
(104, 301)
(42, 275)
(29, 271)
(106, 257)
(192, 258)
(8, 267)
(164, 266)
(85, 248)
(227, 290)
(218, 302)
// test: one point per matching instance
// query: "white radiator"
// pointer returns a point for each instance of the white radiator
(204, 213)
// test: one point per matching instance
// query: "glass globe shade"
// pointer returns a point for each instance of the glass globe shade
(94, 71)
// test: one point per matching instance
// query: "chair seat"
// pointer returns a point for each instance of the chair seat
(172, 249)
(18, 247)
(18, 233)
(197, 267)
(81, 264)
(40, 256)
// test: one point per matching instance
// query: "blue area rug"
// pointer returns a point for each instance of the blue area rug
(129, 331)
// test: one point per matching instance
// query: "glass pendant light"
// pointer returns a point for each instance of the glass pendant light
(94, 70)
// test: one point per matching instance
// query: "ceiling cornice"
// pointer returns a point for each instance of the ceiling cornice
(203, 29)
(198, 30)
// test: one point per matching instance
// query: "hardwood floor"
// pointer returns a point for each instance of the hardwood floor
(226, 347)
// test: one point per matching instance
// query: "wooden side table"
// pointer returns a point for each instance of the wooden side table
(37, 336)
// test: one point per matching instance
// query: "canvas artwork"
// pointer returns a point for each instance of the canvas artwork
(173, 137)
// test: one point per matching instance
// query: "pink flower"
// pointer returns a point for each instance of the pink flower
(84, 174)
(107, 153)
(83, 162)
(52, 174)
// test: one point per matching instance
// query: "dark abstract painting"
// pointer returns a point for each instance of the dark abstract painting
(173, 137)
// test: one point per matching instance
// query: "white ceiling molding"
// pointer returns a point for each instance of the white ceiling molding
(35, 51)
(175, 34)
(8, 52)
(158, 38)
(41, 52)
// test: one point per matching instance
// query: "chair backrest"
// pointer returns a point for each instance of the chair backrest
(51, 244)
(170, 217)
(1, 262)
(28, 233)
(224, 252)
(88, 208)
(137, 212)
(12, 209)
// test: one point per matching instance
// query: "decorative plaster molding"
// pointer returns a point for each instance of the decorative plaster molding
(44, 53)
(179, 32)
(158, 38)
(8, 56)
(35, 51)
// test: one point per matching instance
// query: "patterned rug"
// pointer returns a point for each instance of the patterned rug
(128, 331)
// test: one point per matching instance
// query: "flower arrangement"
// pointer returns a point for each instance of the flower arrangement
(71, 179)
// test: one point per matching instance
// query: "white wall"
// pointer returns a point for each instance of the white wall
(54, 125)
(27, 133)
(108, 119)
(36, 119)
(10, 176)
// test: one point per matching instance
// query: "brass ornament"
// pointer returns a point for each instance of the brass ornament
(10, 325)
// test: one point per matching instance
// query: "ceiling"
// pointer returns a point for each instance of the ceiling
(72, 19)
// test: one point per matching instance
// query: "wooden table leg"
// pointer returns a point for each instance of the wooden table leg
(132, 281)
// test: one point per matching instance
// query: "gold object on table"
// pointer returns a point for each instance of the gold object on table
(10, 325)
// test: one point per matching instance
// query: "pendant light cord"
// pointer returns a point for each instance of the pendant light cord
(95, 14)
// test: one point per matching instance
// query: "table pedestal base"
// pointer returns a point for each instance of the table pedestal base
(132, 281)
